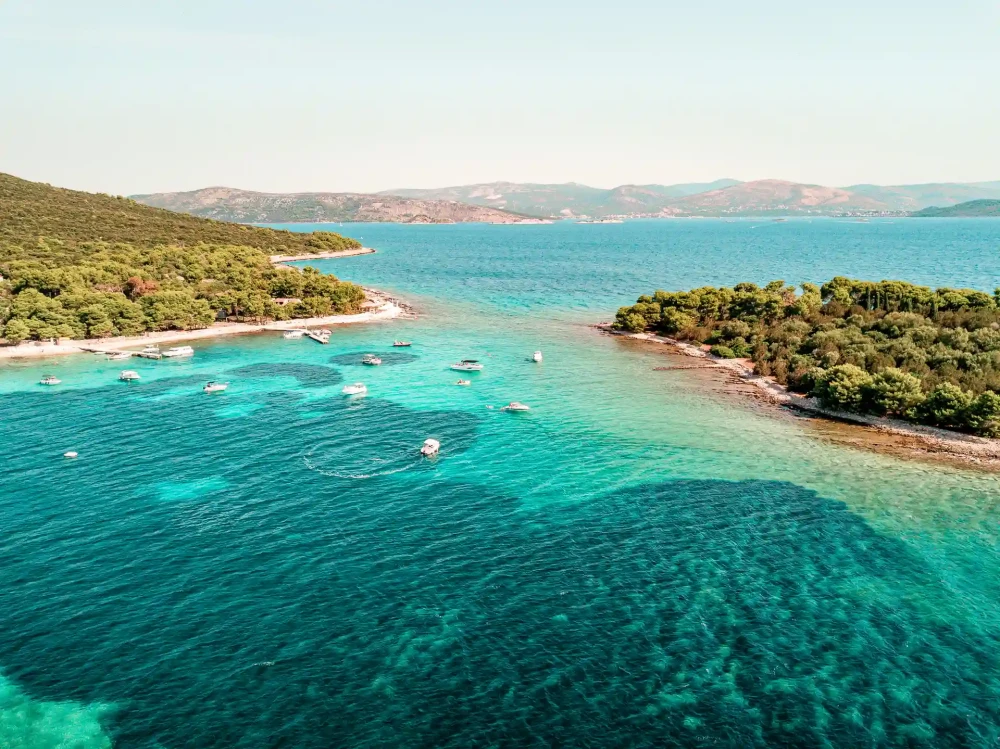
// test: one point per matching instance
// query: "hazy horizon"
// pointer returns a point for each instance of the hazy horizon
(131, 98)
(559, 183)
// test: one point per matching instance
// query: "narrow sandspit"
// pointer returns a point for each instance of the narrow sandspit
(279, 259)
(892, 436)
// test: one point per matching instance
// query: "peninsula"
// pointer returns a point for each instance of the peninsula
(81, 266)
(969, 209)
(885, 349)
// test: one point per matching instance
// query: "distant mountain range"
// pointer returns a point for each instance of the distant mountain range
(719, 198)
(512, 202)
(971, 209)
(245, 207)
(570, 199)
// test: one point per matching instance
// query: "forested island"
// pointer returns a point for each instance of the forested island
(887, 348)
(81, 265)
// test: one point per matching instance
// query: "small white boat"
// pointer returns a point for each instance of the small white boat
(515, 406)
(120, 356)
(358, 388)
(215, 387)
(49, 380)
(292, 335)
(151, 349)
(468, 365)
(464, 382)
(402, 344)
(430, 447)
(70, 454)
(371, 360)
(537, 356)
(177, 351)
(128, 375)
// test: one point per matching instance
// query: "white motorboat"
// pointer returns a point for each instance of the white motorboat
(515, 406)
(402, 344)
(49, 380)
(537, 356)
(371, 360)
(151, 349)
(464, 382)
(120, 356)
(215, 387)
(430, 447)
(70, 454)
(468, 365)
(178, 351)
(292, 335)
(358, 388)
(129, 375)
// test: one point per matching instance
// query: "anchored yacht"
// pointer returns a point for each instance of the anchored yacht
(515, 406)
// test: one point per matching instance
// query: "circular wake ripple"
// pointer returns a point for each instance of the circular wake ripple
(353, 461)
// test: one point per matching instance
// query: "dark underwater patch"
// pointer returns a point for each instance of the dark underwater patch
(433, 613)
(308, 375)
(389, 358)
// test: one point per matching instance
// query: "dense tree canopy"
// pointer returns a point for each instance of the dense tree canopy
(888, 348)
(78, 265)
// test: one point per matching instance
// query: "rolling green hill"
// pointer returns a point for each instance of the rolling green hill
(78, 265)
(970, 209)
(30, 211)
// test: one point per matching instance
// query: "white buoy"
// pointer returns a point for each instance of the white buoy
(70, 454)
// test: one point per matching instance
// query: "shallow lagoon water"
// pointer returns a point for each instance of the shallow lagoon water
(632, 562)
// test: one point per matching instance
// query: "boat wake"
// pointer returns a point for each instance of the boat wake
(330, 463)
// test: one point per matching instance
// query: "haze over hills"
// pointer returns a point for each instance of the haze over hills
(916, 197)
(773, 197)
(722, 197)
(512, 202)
(244, 206)
(569, 199)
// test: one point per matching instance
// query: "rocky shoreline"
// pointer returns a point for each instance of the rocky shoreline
(911, 439)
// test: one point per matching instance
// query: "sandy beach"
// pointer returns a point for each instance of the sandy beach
(380, 308)
(893, 435)
(278, 259)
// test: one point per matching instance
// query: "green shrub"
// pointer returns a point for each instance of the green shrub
(673, 321)
(843, 386)
(723, 352)
(893, 392)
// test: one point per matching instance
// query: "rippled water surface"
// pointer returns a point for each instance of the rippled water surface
(634, 562)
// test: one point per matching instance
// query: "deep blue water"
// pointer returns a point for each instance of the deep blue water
(636, 562)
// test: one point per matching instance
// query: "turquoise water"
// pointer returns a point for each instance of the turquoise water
(636, 561)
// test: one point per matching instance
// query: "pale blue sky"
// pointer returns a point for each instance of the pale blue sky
(131, 96)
